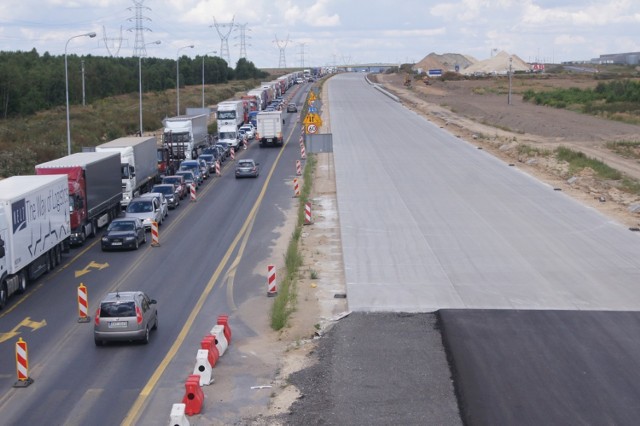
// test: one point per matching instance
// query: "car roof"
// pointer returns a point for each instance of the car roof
(125, 219)
(152, 195)
(122, 296)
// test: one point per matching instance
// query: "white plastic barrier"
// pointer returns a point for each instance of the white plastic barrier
(178, 417)
(221, 341)
(203, 367)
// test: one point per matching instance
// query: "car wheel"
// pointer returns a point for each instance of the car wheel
(144, 238)
(98, 342)
(155, 326)
(136, 246)
(145, 339)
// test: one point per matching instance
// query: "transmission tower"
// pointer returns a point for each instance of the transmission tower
(243, 36)
(224, 37)
(282, 45)
(302, 45)
(116, 43)
(139, 50)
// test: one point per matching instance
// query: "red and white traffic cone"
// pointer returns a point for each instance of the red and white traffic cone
(83, 304)
(233, 154)
(22, 365)
(155, 234)
(272, 289)
(307, 214)
(298, 168)
(303, 154)
(193, 192)
(218, 173)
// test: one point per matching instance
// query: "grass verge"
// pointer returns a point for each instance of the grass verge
(578, 161)
(285, 302)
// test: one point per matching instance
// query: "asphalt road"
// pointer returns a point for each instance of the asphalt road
(205, 266)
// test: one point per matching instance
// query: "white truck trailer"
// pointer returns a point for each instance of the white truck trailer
(269, 131)
(34, 229)
(138, 164)
(186, 135)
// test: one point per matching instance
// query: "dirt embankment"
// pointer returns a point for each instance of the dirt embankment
(521, 132)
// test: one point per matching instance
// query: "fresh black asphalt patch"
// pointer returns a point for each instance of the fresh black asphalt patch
(473, 367)
(544, 367)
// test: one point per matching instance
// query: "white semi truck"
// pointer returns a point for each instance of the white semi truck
(186, 135)
(34, 229)
(138, 164)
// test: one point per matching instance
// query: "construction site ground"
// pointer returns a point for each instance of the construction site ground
(477, 111)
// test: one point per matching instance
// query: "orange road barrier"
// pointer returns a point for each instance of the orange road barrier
(22, 365)
(224, 320)
(193, 192)
(193, 396)
(155, 234)
(298, 168)
(303, 153)
(307, 214)
(83, 304)
(209, 343)
(218, 172)
(233, 154)
(296, 187)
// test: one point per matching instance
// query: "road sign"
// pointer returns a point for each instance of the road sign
(312, 128)
(313, 118)
(312, 97)
(313, 109)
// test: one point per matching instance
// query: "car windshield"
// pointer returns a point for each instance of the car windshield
(122, 226)
(175, 181)
(117, 309)
(162, 189)
(187, 175)
(245, 163)
(206, 157)
(140, 207)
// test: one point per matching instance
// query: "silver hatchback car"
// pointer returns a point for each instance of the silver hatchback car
(125, 316)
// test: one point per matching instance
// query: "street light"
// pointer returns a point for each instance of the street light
(178, 78)
(66, 83)
(214, 52)
(140, 81)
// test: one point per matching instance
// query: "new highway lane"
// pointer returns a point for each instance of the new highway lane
(535, 297)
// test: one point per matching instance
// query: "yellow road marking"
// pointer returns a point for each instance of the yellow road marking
(33, 325)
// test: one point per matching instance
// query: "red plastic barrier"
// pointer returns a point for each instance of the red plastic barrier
(209, 343)
(224, 320)
(193, 397)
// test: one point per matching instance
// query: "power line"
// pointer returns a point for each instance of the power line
(224, 37)
(139, 49)
(243, 36)
(282, 61)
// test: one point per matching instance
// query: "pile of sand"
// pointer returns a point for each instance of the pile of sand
(498, 64)
(445, 62)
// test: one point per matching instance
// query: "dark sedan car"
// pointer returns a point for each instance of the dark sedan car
(170, 192)
(247, 168)
(124, 233)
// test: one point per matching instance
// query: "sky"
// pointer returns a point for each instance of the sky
(309, 33)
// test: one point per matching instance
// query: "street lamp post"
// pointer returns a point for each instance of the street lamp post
(178, 78)
(66, 85)
(140, 81)
(214, 52)
(510, 72)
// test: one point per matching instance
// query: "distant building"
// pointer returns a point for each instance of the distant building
(631, 58)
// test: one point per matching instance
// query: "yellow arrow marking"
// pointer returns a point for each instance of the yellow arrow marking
(33, 325)
(87, 269)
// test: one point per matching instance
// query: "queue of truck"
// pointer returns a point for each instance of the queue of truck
(72, 198)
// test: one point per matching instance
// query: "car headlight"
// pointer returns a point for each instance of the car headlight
(105, 239)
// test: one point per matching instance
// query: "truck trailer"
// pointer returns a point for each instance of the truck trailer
(230, 113)
(186, 135)
(34, 229)
(94, 187)
(269, 129)
(138, 164)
